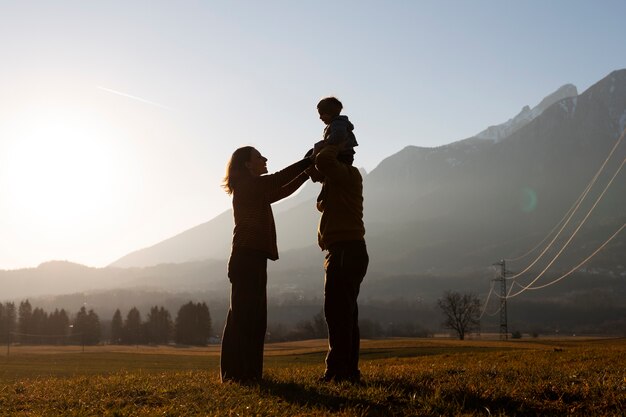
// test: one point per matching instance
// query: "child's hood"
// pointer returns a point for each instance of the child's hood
(344, 120)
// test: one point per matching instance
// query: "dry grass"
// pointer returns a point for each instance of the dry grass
(403, 377)
(297, 347)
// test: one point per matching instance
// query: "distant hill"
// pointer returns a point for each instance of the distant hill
(476, 201)
(464, 205)
(436, 219)
(62, 277)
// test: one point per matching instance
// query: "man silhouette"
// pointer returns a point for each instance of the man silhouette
(341, 233)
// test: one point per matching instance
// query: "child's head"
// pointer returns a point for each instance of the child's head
(329, 108)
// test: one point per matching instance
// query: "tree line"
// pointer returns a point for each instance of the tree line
(26, 325)
(193, 325)
(35, 326)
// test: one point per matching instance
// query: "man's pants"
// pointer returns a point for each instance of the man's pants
(345, 264)
(244, 333)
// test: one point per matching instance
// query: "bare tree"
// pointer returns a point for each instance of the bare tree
(462, 312)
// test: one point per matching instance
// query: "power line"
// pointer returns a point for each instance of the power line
(569, 213)
(482, 313)
(555, 227)
(571, 270)
(573, 234)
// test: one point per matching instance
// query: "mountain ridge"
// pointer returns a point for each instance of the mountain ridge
(429, 182)
(436, 219)
(444, 212)
(526, 115)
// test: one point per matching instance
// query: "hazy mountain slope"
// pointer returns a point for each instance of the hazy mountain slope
(436, 219)
(483, 200)
(210, 240)
(446, 211)
(61, 277)
(428, 208)
(58, 277)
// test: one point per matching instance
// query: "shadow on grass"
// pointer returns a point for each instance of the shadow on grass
(470, 402)
(407, 398)
(314, 397)
(444, 401)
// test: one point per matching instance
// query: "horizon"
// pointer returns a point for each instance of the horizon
(113, 140)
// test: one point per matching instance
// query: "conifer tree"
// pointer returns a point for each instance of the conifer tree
(193, 324)
(86, 327)
(93, 328)
(3, 324)
(25, 315)
(133, 328)
(58, 326)
(7, 321)
(159, 326)
(24, 320)
(117, 328)
(39, 326)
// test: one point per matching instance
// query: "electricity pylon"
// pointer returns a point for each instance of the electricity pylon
(504, 328)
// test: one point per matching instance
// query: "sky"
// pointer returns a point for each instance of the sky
(117, 118)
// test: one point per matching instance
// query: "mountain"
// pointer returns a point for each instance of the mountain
(55, 277)
(62, 277)
(462, 206)
(436, 219)
(476, 201)
(210, 240)
(527, 114)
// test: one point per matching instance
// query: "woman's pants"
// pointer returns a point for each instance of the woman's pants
(246, 324)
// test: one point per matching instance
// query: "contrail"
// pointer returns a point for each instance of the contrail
(143, 100)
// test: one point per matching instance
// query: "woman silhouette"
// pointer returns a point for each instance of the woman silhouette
(254, 242)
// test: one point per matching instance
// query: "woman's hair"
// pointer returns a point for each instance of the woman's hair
(236, 168)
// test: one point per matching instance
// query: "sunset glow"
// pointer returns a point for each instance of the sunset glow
(62, 175)
(116, 124)
(61, 169)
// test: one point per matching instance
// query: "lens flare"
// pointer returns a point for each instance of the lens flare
(528, 201)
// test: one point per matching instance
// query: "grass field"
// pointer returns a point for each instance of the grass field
(421, 377)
